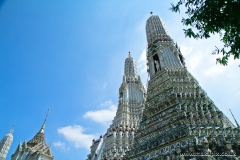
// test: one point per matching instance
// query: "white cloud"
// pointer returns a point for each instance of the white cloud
(102, 116)
(215, 70)
(194, 61)
(185, 50)
(105, 85)
(61, 146)
(107, 103)
(75, 135)
(238, 93)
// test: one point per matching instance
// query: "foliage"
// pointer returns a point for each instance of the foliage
(214, 17)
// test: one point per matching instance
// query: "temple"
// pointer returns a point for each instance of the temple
(179, 121)
(120, 135)
(35, 149)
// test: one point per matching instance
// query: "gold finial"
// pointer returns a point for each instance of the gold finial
(151, 13)
(12, 130)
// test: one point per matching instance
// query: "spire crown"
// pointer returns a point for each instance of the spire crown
(44, 123)
(155, 28)
(130, 69)
(39, 137)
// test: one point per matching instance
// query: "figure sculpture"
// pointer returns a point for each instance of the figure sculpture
(157, 65)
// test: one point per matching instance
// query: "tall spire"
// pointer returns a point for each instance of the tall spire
(234, 118)
(5, 144)
(44, 123)
(120, 134)
(178, 116)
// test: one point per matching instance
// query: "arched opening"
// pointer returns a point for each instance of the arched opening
(157, 66)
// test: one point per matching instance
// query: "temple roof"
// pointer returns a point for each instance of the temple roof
(39, 137)
(37, 144)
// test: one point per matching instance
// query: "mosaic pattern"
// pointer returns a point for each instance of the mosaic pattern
(179, 121)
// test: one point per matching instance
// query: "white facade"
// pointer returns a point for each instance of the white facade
(119, 137)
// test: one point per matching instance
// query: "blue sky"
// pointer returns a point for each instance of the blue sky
(69, 56)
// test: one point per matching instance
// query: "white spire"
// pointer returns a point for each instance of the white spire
(5, 144)
(130, 69)
(119, 136)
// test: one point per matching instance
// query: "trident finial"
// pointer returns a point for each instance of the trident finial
(45, 119)
(12, 130)
(234, 118)
(46, 115)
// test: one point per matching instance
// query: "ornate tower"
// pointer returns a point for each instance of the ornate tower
(5, 144)
(35, 149)
(179, 118)
(120, 135)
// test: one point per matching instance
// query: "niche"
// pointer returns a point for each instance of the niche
(121, 95)
(157, 66)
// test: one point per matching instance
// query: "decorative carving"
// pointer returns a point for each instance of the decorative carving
(179, 117)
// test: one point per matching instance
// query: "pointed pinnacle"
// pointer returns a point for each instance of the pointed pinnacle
(12, 130)
(43, 126)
